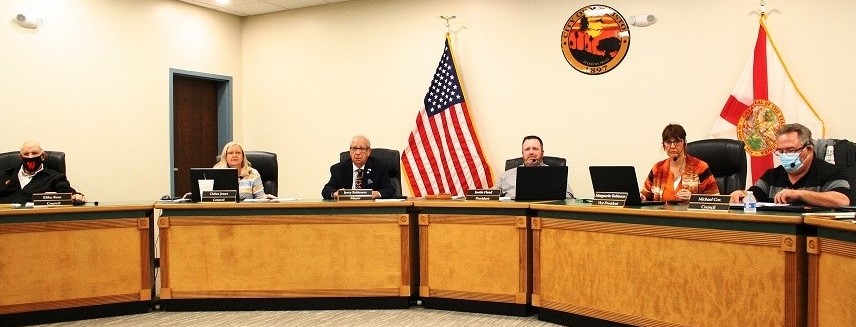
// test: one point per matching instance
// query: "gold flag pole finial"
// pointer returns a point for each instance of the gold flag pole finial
(447, 18)
(763, 8)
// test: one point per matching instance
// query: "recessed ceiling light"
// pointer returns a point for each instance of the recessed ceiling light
(223, 2)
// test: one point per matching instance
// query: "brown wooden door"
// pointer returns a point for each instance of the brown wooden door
(194, 128)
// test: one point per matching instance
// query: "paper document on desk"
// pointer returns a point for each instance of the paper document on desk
(771, 204)
(835, 215)
(285, 199)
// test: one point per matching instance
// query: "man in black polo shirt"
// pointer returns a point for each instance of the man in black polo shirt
(802, 178)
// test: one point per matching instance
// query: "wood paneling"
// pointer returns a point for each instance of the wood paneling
(832, 286)
(247, 255)
(662, 275)
(474, 257)
(73, 263)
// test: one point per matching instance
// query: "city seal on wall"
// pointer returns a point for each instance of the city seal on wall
(758, 125)
(595, 39)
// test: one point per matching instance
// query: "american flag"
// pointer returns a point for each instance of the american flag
(443, 155)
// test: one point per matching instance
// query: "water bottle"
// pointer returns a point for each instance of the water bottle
(749, 203)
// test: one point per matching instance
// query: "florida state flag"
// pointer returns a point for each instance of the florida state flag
(764, 99)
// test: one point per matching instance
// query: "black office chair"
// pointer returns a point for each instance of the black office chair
(844, 155)
(549, 161)
(726, 159)
(54, 160)
(392, 159)
(265, 162)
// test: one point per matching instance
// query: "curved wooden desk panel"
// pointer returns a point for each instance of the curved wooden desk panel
(285, 250)
(474, 251)
(668, 267)
(71, 257)
(831, 273)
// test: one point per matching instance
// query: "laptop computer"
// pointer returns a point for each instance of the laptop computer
(541, 183)
(619, 179)
(224, 179)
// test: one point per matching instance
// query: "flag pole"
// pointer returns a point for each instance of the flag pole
(787, 71)
(488, 169)
(448, 18)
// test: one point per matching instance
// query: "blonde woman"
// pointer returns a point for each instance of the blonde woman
(249, 180)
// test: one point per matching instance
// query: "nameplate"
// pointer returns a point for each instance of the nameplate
(610, 199)
(709, 202)
(483, 194)
(220, 196)
(442, 196)
(52, 199)
(354, 194)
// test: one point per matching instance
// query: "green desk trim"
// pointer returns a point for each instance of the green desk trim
(836, 234)
(703, 223)
(73, 213)
(471, 211)
(250, 211)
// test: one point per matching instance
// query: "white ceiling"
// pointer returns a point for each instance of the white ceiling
(256, 7)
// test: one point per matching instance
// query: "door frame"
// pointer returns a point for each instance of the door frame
(224, 113)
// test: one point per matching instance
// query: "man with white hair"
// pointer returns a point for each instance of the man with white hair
(361, 171)
(17, 184)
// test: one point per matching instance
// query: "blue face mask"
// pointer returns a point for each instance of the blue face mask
(791, 161)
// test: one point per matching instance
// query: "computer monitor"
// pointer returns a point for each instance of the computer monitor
(618, 179)
(541, 183)
(224, 179)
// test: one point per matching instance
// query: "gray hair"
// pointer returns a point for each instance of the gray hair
(369, 143)
(803, 133)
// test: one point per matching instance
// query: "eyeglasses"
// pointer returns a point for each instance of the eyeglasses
(779, 152)
(673, 142)
(358, 149)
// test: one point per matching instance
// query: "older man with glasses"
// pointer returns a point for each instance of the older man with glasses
(802, 178)
(360, 171)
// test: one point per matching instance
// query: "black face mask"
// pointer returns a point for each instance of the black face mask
(31, 164)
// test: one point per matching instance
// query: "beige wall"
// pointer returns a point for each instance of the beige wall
(93, 79)
(316, 76)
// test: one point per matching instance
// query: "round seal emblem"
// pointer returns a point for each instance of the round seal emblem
(757, 127)
(595, 39)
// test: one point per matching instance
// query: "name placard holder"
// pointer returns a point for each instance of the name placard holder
(483, 194)
(355, 195)
(219, 196)
(52, 199)
(609, 199)
(709, 202)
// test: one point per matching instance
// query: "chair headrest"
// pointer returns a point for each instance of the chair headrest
(265, 162)
(392, 159)
(548, 160)
(723, 156)
(54, 160)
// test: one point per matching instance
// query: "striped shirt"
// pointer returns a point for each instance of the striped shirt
(251, 187)
(820, 177)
